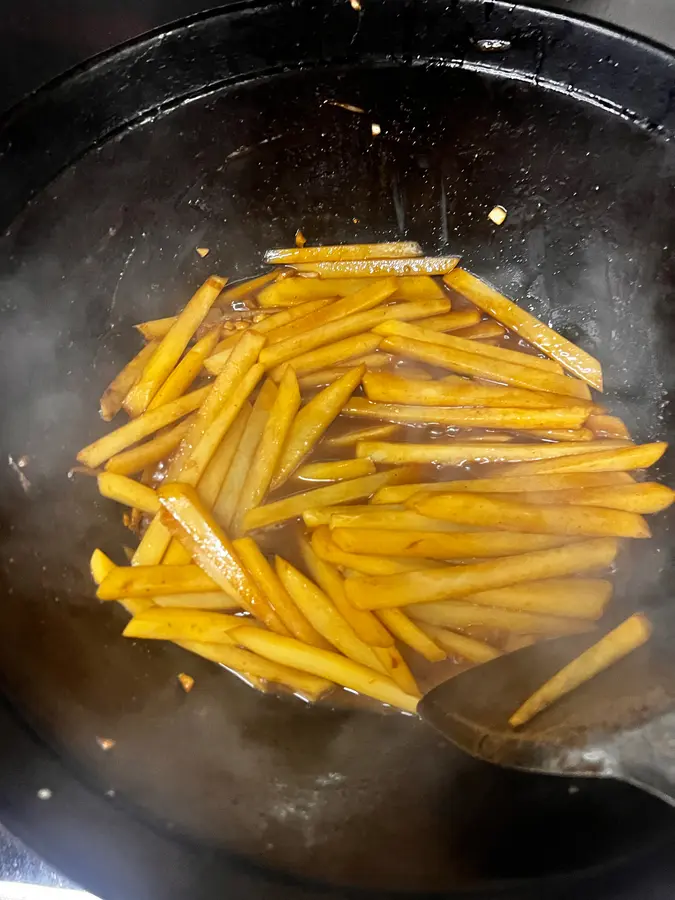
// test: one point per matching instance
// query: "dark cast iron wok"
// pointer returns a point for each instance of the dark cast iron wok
(217, 133)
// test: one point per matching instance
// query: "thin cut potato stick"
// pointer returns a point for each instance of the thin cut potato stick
(622, 640)
(330, 495)
(186, 371)
(326, 549)
(204, 600)
(426, 586)
(574, 598)
(561, 434)
(453, 342)
(146, 581)
(312, 422)
(324, 616)
(505, 311)
(410, 372)
(172, 346)
(340, 353)
(460, 644)
(464, 615)
(485, 330)
(182, 625)
(349, 438)
(607, 426)
(114, 395)
(271, 586)
(331, 583)
(338, 470)
(372, 360)
(439, 545)
(486, 511)
(129, 492)
(486, 367)
(521, 419)
(325, 664)
(321, 378)
(212, 550)
(101, 566)
(406, 631)
(292, 255)
(212, 480)
(397, 668)
(453, 321)
(419, 287)
(386, 387)
(389, 518)
(263, 326)
(227, 501)
(292, 291)
(245, 288)
(593, 459)
(461, 453)
(156, 329)
(644, 498)
(369, 268)
(146, 424)
(137, 459)
(322, 515)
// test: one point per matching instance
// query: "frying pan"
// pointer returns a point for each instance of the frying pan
(221, 132)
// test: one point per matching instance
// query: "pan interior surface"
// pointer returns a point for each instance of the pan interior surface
(340, 796)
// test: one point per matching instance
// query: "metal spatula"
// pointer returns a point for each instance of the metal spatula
(621, 724)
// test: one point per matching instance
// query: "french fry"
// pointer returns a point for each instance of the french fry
(146, 581)
(311, 423)
(341, 352)
(129, 492)
(349, 438)
(460, 644)
(207, 543)
(464, 615)
(453, 321)
(389, 518)
(114, 395)
(485, 330)
(439, 545)
(245, 288)
(385, 387)
(644, 498)
(575, 598)
(227, 501)
(326, 549)
(322, 515)
(325, 664)
(369, 268)
(522, 419)
(486, 511)
(486, 367)
(269, 450)
(465, 345)
(526, 326)
(269, 584)
(330, 495)
(622, 640)
(156, 329)
(292, 291)
(561, 434)
(101, 566)
(617, 458)
(186, 371)
(324, 616)
(364, 622)
(373, 360)
(399, 493)
(338, 470)
(426, 586)
(461, 453)
(182, 625)
(406, 631)
(413, 373)
(129, 462)
(146, 424)
(171, 347)
(607, 426)
(357, 323)
(211, 481)
(322, 378)
(292, 255)
(204, 600)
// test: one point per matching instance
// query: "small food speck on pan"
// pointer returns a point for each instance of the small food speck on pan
(497, 215)
(348, 106)
(355, 4)
(187, 682)
(375, 129)
(203, 251)
(300, 239)
(105, 743)
(44, 794)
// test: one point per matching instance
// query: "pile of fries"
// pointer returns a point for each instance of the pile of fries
(476, 508)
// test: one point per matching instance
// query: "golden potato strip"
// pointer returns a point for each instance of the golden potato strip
(426, 586)
(172, 346)
(453, 342)
(460, 453)
(461, 645)
(419, 287)
(397, 669)
(156, 329)
(129, 492)
(464, 615)
(364, 622)
(486, 511)
(350, 438)
(271, 586)
(413, 373)
(322, 378)
(182, 625)
(522, 419)
(326, 549)
(101, 566)
(453, 321)
(617, 458)
(341, 352)
(575, 598)
(644, 498)
(312, 421)
(325, 664)
(292, 291)
(389, 518)
(251, 665)
(483, 331)
(291, 314)
(266, 458)
(129, 462)
(439, 545)
(486, 367)
(369, 268)
(337, 470)
(330, 495)
(215, 474)
(245, 288)
(561, 434)
(622, 640)
(324, 616)
(228, 498)
(111, 444)
(526, 326)
(406, 631)
(373, 360)
(607, 426)
(200, 534)
(322, 515)
(292, 255)
(114, 395)
(186, 371)
(204, 600)
(146, 581)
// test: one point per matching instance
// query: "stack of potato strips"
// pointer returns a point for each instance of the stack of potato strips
(362, 459)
